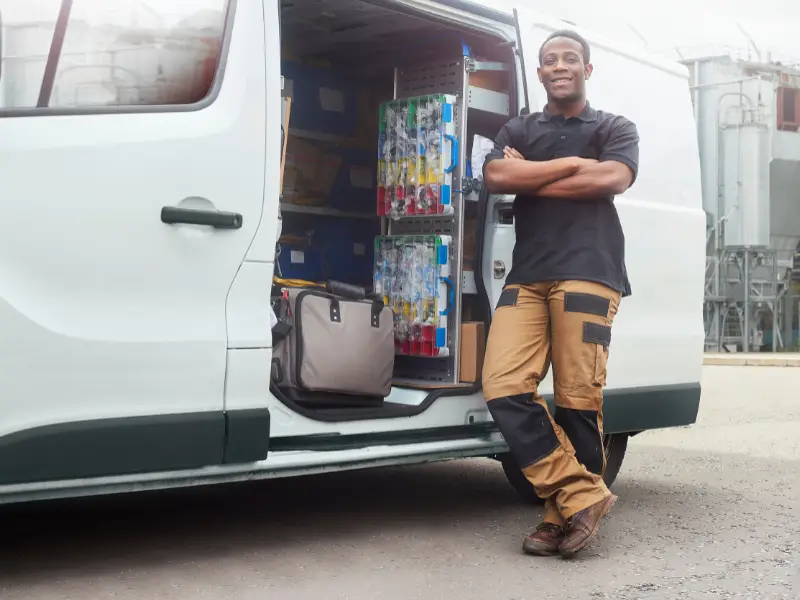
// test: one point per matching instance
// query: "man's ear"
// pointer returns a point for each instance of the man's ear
(539, 73)
(588, 70)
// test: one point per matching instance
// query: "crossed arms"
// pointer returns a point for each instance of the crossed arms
(567, 178)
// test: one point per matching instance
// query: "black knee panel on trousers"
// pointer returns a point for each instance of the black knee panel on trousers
(582, 430)
(526, 427)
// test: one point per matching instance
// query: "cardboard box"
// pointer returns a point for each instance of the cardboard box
(473, 349)
(369, 102)
(496, 81)
(470, 242)
(287, 110)
(310, 172)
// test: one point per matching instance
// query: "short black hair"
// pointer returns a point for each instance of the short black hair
(573, 35)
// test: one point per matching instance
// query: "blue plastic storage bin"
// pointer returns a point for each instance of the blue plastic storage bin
(348, 248)
(301, 261)
(323, 100)
(356, 187)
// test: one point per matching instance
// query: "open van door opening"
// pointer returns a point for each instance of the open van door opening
(377, 61)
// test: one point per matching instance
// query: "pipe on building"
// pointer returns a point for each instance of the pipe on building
(720, 205)
(721, 184)
(722, 83)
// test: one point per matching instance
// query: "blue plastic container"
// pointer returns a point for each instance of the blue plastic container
(347, 246)
(301, 261)
(323, 100)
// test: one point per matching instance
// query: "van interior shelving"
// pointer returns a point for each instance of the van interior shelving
(341, 59)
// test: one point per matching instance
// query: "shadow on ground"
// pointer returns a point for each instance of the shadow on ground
(49, 540)
(41, 539)
(460, 505)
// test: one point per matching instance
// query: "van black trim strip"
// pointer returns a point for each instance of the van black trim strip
(150, 444)
(134, 445)
(336, 442)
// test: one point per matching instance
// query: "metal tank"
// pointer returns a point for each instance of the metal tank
(746, 185)
(751, 193)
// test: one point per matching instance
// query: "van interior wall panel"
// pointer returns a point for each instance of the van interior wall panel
(370, 37)
(344, 28)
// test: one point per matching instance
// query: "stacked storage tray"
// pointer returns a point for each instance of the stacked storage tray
(415, 173)
(412, 274)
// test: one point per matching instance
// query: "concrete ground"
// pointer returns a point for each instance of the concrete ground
(710, 511)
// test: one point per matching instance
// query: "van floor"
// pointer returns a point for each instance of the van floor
(378, 410)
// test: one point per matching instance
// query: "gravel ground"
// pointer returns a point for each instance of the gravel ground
(709, 511)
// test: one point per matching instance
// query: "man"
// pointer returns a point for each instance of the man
(565, 165)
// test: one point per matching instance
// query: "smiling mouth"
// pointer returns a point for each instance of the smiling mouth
(561, 80)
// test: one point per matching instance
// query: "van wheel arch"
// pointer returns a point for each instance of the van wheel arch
(615, 447)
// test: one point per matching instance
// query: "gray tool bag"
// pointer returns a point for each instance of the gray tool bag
(335, 340)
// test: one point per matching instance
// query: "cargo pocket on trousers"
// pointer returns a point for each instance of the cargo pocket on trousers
(600, 366)
(600, 337)
(508, 297)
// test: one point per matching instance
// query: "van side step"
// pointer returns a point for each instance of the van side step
(416, 384)
(388, 410)
(337, 442)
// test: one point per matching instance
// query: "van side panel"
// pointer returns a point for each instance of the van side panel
(114, 336)
(658, 333)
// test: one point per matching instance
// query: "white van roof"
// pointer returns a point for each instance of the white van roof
(503, 11)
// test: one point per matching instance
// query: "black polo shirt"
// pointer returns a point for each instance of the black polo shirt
(561, 239)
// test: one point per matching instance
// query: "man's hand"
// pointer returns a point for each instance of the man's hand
(512, 153)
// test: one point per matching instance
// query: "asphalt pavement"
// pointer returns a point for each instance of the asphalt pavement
(708, 511)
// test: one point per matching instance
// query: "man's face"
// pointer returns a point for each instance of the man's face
(562, 71)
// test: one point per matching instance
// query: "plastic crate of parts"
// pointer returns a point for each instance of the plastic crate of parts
(412, 275)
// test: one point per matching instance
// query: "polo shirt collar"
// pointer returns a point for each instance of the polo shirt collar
(588, 114)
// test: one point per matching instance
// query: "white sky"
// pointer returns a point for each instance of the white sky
(690, 24)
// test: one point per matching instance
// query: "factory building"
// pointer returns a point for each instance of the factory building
(748, 126)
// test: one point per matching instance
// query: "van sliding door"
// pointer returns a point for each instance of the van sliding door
(132, 173)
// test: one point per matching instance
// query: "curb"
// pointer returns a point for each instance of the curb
(752, 360)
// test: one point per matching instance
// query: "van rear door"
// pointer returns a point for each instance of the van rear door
(132, 157)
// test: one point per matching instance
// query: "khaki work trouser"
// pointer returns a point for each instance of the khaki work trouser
(568, 323)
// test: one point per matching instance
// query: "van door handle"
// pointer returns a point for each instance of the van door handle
(192, 216)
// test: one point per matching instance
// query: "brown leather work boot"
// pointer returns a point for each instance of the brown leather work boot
(583, 526)
(545, 541)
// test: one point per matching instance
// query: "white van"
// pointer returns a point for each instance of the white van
(135, 349)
